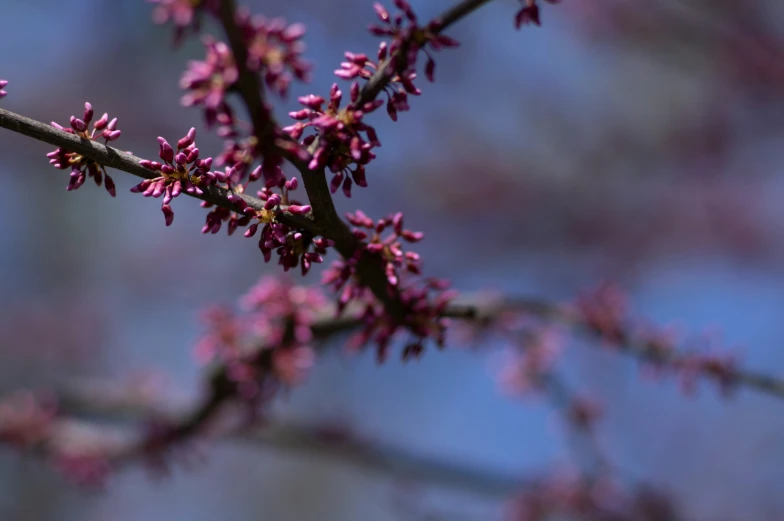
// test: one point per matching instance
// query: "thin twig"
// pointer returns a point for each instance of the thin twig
(336, 443)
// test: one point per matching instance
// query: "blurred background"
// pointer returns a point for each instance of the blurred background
(630, 141)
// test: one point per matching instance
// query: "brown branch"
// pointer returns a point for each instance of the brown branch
(385, 72)
(325, 222)
(370, 269)
(251, 91)
(117, 159)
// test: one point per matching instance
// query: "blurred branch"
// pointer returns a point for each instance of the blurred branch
(580, 421)
(182, 423)
(103, 399)
(649, 350)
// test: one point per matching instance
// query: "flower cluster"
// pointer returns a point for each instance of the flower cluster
(82, 167)
(34, 422)
(344, 140)
(235, 218)
(238, 152)
(529, 12)
(180, 170)
(183, 13)
(605, 312)
(207, 81)
(25, 419)
(397, 88)
(271, 338)
(274, 50)
(409, 37)
(423, 302)
(273, 298)
(3, 84)
(388, 249)
(293, 247)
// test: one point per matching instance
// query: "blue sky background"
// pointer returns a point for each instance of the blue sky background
(82, 259)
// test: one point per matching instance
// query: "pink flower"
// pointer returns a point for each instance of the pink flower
(82, 167)
(529, 13)
(180, 171)
(275, 50)
(345, 142)
(207, 81)
(184, 14)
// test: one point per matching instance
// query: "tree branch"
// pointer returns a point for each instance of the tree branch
(119, 160)
(384, 74)
(333, 442)
(369, 269)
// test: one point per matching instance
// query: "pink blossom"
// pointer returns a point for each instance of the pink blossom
(82, 167)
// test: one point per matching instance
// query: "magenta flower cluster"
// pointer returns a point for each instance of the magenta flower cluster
(207, 81)
(274, 50)
(26, 419)
(32, 422)
(180, 170)
(184, 14)
(293, 247)
(529, 13)
(389, 248)
(423, 301)
(341, 276)
(3, 84)
(408, 35)
(83, 167)
(275, 321)
(341, 142)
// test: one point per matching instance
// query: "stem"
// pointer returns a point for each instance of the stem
(119, 160)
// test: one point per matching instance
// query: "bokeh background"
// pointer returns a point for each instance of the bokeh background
(631, 141)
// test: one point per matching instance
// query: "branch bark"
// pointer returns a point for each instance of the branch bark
(129, 163)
